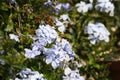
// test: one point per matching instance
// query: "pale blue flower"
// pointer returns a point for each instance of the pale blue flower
(60, 25)
(62, 29)
(53, 56)
(27, 74)
(59, 53)
(40, 45)
(49, 2)
(14, 37)
(66, 7)
(61, 6)
(105, 6)
(64, 17)
(32, 53)
(62, 22)
(57, 7)
(67, 48)
(58, 22)
(83, 7)
(97, 32)
(72, 74)
(46, 33)
(65, 45)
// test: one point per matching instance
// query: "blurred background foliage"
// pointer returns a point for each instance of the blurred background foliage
(24, 17)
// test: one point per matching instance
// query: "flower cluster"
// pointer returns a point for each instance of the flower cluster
(27, 74)
(97, 32)
(60, 52)
(45, 34)
(57, 7)
(62, 22)
(72, 74)
(105, 6)
(83, 7)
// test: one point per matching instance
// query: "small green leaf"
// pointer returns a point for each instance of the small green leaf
(10, 24)
(4, 7)
(91, 59)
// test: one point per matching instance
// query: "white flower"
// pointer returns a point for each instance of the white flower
(105, 6)
(14, 37)
(82, 7)
(97, 32)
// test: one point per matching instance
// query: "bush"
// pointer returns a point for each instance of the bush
(58, 39)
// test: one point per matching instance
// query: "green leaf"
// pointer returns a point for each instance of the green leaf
(10, 24)
(91, 59)
(97, 66)
(4, 7)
